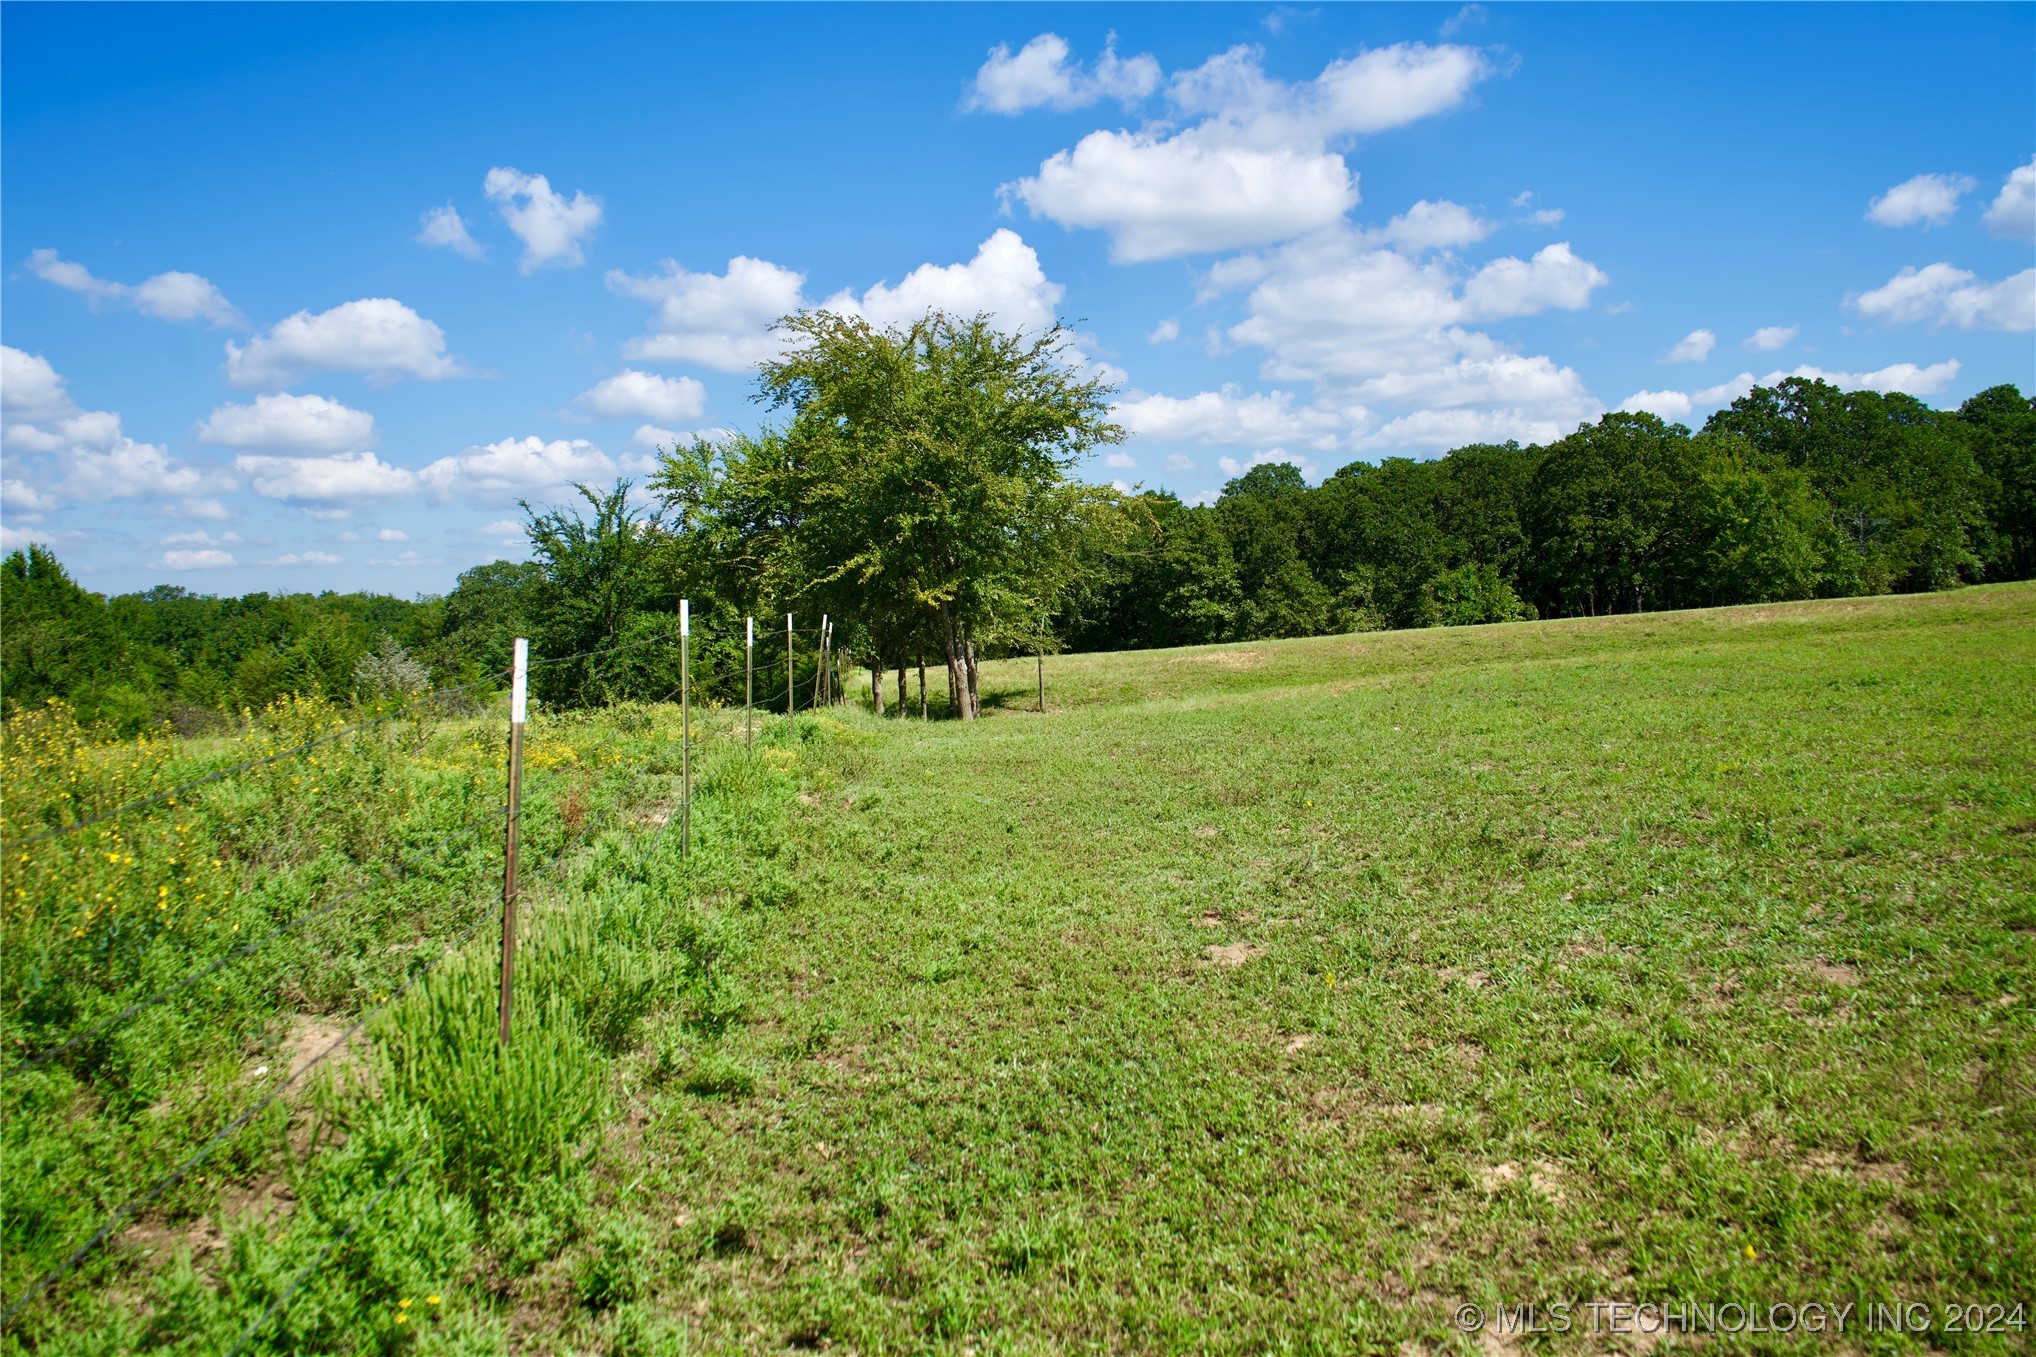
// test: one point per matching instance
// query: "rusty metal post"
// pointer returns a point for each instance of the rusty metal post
(519, 686)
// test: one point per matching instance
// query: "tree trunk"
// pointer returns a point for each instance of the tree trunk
(968, 654)
(902, 708)
(877, 685)
(922, 687)
(960, 692)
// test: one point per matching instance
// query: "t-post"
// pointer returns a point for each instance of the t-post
(519, 685)
(685, 728)
(748, 684)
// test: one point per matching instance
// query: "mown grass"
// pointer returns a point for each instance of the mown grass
(1278, 998)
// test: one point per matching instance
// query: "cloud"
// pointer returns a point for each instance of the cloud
(57, 453)
(173, 296)
(1432, 226)
(1179, 461)
(1927, 198)
(1232, 466)
(391, 535)
(1670, 405)
(1768, 338)
(514, 467)
(1376, 329)
(443, 230)
(206, 558)
(724, 320)
(1547, 216)
(1004, 280)
(1255, 164)
(1724, 393)
(1231, 418)
(1164, 332)
(1693, 347)
(2014, 209)
(375, 336)
(200, 538)
(408, 558)
(30, 388)
(289, 423)
(721, 321)
(1120, 461)
(1904, 377)
(307, 558)
(645, 395)
(551, 227)
(347, 478)
(1554, 279)
(1160, 197)
(1470, 16)
(1944, 295)
(1039, 75)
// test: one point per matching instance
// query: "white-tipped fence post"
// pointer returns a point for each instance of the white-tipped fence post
(820, 668)
(519, 704)
(791, 698)
(748, 684)
(685, 728)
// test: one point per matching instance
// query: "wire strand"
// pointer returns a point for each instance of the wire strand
(219, 774)
(332, 1247)
(163, 1184)
(380, 875)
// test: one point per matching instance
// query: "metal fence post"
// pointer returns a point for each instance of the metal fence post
(791, 698)
(748, 684)
(685, 728)
(519, 685)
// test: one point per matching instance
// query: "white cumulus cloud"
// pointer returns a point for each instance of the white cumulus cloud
(175, 295)
(1670, 405)
(346, 478)
(723, 320)
(306, 558)
(552, 227)
(2014, 209)
(289, 423)
(196, 558)
(443, 229)
(1255, 162)
(1232, 418)
(1004, 280)
(1693, 347)
(1039, 75)
(1904, 377)
(1768, 338)
(379, 337)
(30, 388)
(515, 467)
(1927, 198)
(1724, 393)
(718, 320)
(645, 395)
(1944, 295)
(1429, 225)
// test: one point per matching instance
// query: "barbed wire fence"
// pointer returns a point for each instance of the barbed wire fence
(507, 814)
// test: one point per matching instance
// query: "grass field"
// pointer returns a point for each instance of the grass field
(1281, 997)
(1270, 998)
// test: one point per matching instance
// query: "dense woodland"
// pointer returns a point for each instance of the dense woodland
(919, 489)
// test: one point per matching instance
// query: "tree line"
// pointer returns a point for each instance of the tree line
(916, 485)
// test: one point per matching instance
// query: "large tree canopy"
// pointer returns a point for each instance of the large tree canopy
(919, 491)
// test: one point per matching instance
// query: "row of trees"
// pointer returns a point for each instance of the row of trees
(918, 489)
(1797, 491)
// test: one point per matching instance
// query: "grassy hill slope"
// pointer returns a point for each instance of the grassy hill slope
(1281, 997)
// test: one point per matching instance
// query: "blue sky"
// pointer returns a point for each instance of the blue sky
(307, 297)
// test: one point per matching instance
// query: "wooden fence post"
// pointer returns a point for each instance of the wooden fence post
(519, 684)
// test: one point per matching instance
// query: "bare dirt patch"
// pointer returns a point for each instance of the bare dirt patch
(1235, 953)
